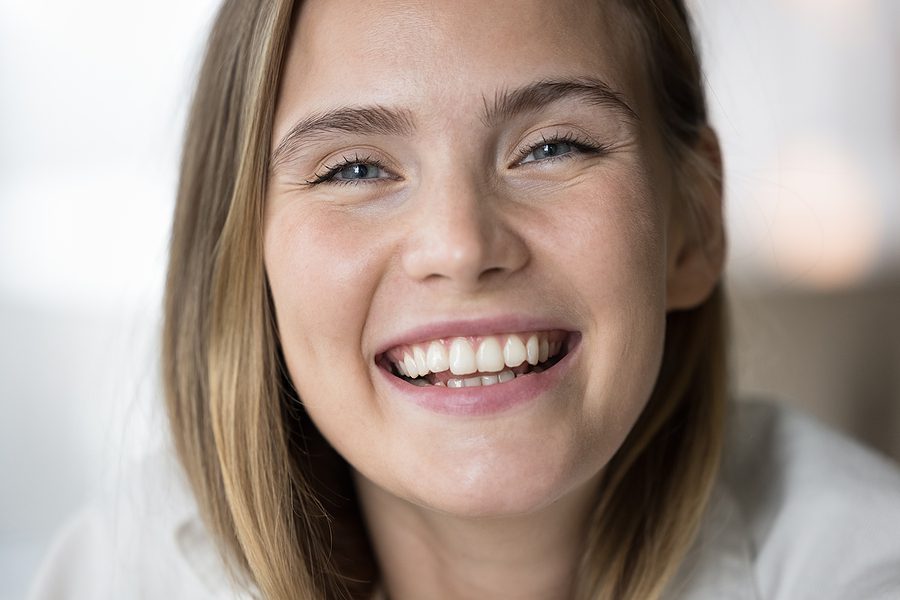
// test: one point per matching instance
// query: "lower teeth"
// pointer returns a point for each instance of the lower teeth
(483, 380)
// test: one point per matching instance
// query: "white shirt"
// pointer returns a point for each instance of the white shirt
(797, 512)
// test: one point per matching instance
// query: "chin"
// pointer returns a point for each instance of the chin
(499, 486)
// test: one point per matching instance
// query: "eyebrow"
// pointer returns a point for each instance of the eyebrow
(361, 120)
(510, 103)
(377, 119)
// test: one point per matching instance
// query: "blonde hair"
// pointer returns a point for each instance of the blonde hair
(277, 499)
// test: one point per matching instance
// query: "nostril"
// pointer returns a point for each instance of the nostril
(492, 272)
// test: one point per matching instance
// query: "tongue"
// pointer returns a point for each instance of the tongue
(444, 376)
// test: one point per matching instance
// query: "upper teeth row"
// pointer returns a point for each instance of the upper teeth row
(493, 354)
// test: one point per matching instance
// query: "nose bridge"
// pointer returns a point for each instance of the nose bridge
(458, 233)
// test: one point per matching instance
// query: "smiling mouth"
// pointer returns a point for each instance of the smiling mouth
(477, 361)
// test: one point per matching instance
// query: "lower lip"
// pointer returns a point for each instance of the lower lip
(484, 400)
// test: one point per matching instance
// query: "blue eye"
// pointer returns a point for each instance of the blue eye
(357, 171)
(549, 150)
(352, 171)
(559, 147)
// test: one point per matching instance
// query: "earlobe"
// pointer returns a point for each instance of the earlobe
(697, 246)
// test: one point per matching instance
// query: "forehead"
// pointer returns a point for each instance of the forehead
(442, 56)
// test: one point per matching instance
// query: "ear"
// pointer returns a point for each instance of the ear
(696, 244)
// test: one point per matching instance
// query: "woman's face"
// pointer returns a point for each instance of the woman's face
(463, 177)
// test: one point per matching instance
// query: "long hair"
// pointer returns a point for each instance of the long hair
(277, 499)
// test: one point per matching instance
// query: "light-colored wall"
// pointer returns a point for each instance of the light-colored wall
(835, 355)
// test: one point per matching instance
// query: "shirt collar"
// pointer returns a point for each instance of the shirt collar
(719, 564)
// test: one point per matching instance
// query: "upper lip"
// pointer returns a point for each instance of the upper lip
(482, 326)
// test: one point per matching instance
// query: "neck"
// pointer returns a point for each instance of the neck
(426, 554)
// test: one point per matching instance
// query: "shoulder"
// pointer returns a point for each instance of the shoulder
(140, 538)
(821, 512)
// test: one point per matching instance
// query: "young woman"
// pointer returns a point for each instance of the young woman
(444, 320)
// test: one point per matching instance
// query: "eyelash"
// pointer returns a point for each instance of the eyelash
(332, 170)
(580, 144)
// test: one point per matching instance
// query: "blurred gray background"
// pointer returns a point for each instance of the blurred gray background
(806, 97)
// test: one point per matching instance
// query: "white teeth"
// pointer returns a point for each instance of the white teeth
(484, 380)
(490, 379)
(421, 365)
(514, 351)
(533, 350)
(411, 369)
(462, 358)
(489, 357)
(437, 358)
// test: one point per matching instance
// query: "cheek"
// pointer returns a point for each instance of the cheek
(609, 238)
(322, 276)
(616, 270)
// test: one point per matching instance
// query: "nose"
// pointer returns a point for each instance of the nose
(460, 236)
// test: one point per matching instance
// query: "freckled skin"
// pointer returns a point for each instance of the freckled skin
(460, 234)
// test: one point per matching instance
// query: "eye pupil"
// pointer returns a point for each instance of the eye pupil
(551, 149)
(355, 171)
